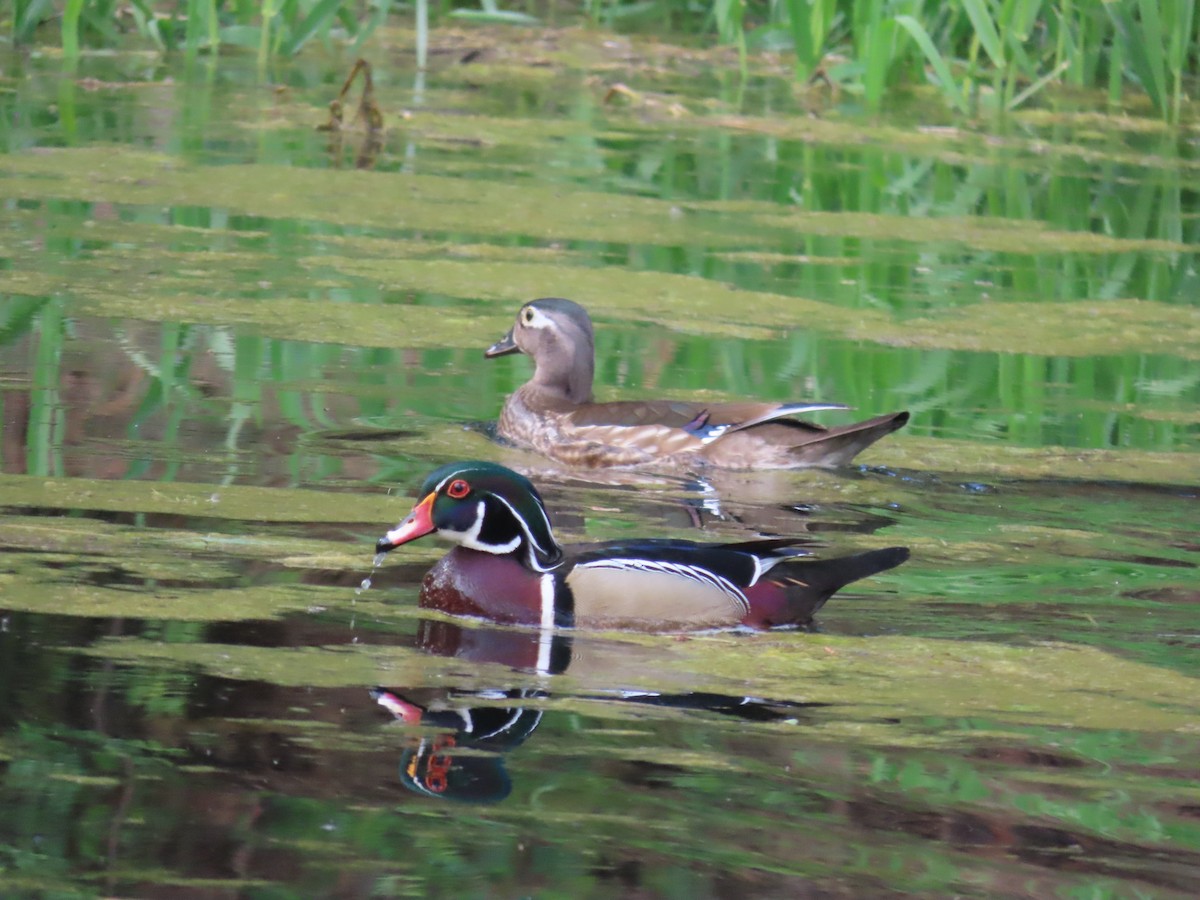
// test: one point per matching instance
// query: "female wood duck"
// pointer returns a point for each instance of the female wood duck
(508, 567)
(555, 415)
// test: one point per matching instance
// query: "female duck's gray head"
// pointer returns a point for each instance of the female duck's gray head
(481, 506)
(557, 333)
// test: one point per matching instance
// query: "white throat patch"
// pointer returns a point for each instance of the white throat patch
(470, 537)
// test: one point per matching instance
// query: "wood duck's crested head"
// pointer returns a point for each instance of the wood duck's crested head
(557, 333)
(482, 506)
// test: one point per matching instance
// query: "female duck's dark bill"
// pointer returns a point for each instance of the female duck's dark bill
(505, 345)
(417, 523)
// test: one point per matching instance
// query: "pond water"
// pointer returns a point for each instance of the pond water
(232, 345)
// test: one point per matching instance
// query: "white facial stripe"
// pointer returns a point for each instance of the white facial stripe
(521, 522)
(460, 473)
(470, 538)
(533, 542)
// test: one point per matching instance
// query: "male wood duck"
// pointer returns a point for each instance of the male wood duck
(509, 568)
(554, 413)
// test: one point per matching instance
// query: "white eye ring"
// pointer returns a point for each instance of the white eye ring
(532, 317)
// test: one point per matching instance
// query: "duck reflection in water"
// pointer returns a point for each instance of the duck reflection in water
(465, 760)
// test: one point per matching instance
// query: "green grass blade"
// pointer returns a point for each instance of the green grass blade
(1050, 76)
(1182, 44)
(1154, 47)
(322, 13)
(1115, 73)
(17, 314)
(879, 43)
(214, 27)
(728, 14)
(264, 35)
(29, 18)
(382, 8)
(950, 89)
(1132, 43)
(70, 28)
(1182, 36)
(805, 43)
(195, 29)
(422, 34)
(985, 30)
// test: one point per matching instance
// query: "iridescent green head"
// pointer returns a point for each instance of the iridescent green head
(482, 506)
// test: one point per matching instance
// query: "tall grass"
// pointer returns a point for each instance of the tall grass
(272, 28)
(987, 53)
(981, 55)
(1013, 49)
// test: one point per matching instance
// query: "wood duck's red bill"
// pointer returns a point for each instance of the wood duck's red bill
(417, 524)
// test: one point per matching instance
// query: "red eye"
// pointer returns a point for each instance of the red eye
(458, 489)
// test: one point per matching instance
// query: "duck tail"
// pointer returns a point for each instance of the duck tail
(783, 443)
(838, 445)
(795, 590)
